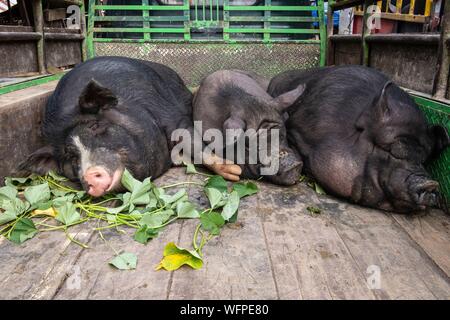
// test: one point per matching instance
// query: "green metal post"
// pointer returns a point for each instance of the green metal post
(146, 24)
(39, 27)
(365, 32)
(90, 30)
(323, 30)
(226, 20)
(330, 31)
(83, 30)
(267, 15)
(187, 15)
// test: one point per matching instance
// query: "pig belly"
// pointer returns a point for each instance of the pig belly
(335, 171)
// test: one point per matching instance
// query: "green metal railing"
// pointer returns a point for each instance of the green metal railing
(207, 21)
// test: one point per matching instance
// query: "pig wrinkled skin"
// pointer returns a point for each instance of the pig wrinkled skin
(362, 137)
(108, 114)
(237, 100)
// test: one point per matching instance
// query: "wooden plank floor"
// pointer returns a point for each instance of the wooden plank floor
(276, 250)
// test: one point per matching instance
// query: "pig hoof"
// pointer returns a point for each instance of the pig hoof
(228, 171)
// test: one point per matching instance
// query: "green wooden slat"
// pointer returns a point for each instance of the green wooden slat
(200, 41)
(30, 83)
(141, 30)
(284, 31)
(271, 8)
(141, 19)
(140, 8)
(272, 19)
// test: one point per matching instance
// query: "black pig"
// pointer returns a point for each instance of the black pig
(233, 99)
(108, 114)
(362, 137)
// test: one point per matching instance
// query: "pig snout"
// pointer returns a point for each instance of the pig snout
(424, 192)
(98, 181)
(290, 168)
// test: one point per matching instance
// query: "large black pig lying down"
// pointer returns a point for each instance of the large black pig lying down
(112, 113)
(362, 137)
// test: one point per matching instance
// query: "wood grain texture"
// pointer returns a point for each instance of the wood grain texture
(276, 250)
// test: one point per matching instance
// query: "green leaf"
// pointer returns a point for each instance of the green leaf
(190, 168)
(154, 220)
(112, 218)
(175, 257)
(7, 216)
(217, 182)
(214, 196)
(140, 194)
(15, 182)
(168, 199)
(233, 219)
(67, 213)
(144, 234)
(59, 192)
(318, 188)
(314, 210)
(212, 222)
(7, 193)
(231, 206)
(186, 210)
(124, 261)
(23, 230)
(59, 201)
(129, 182)
(118, 209)
(245, 189)
(57, 177)
(15, 205)
(37, 194)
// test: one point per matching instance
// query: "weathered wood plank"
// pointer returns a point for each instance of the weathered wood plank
(36, 268)
(236, 265)
(431, 231)
(309, 258)
(375, 239)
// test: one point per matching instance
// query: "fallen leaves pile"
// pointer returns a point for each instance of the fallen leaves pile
(28, 205)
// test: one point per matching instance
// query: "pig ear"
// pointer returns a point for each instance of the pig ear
(234, 123)
(287, 99)
(94, 97)
(441, 140)
(40, 162)
(382, 104)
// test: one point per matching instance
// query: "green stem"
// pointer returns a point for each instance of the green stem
(194, 240)
(74, 240)
(108, 244)
(62, 187)
(64, 226)
(182, 183)
(166, 223)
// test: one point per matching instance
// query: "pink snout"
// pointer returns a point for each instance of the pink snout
(99, 181)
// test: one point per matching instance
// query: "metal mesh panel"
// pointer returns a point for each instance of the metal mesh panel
(194, 61)
(440, 168)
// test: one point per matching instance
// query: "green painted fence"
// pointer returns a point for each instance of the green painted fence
(207, 21)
